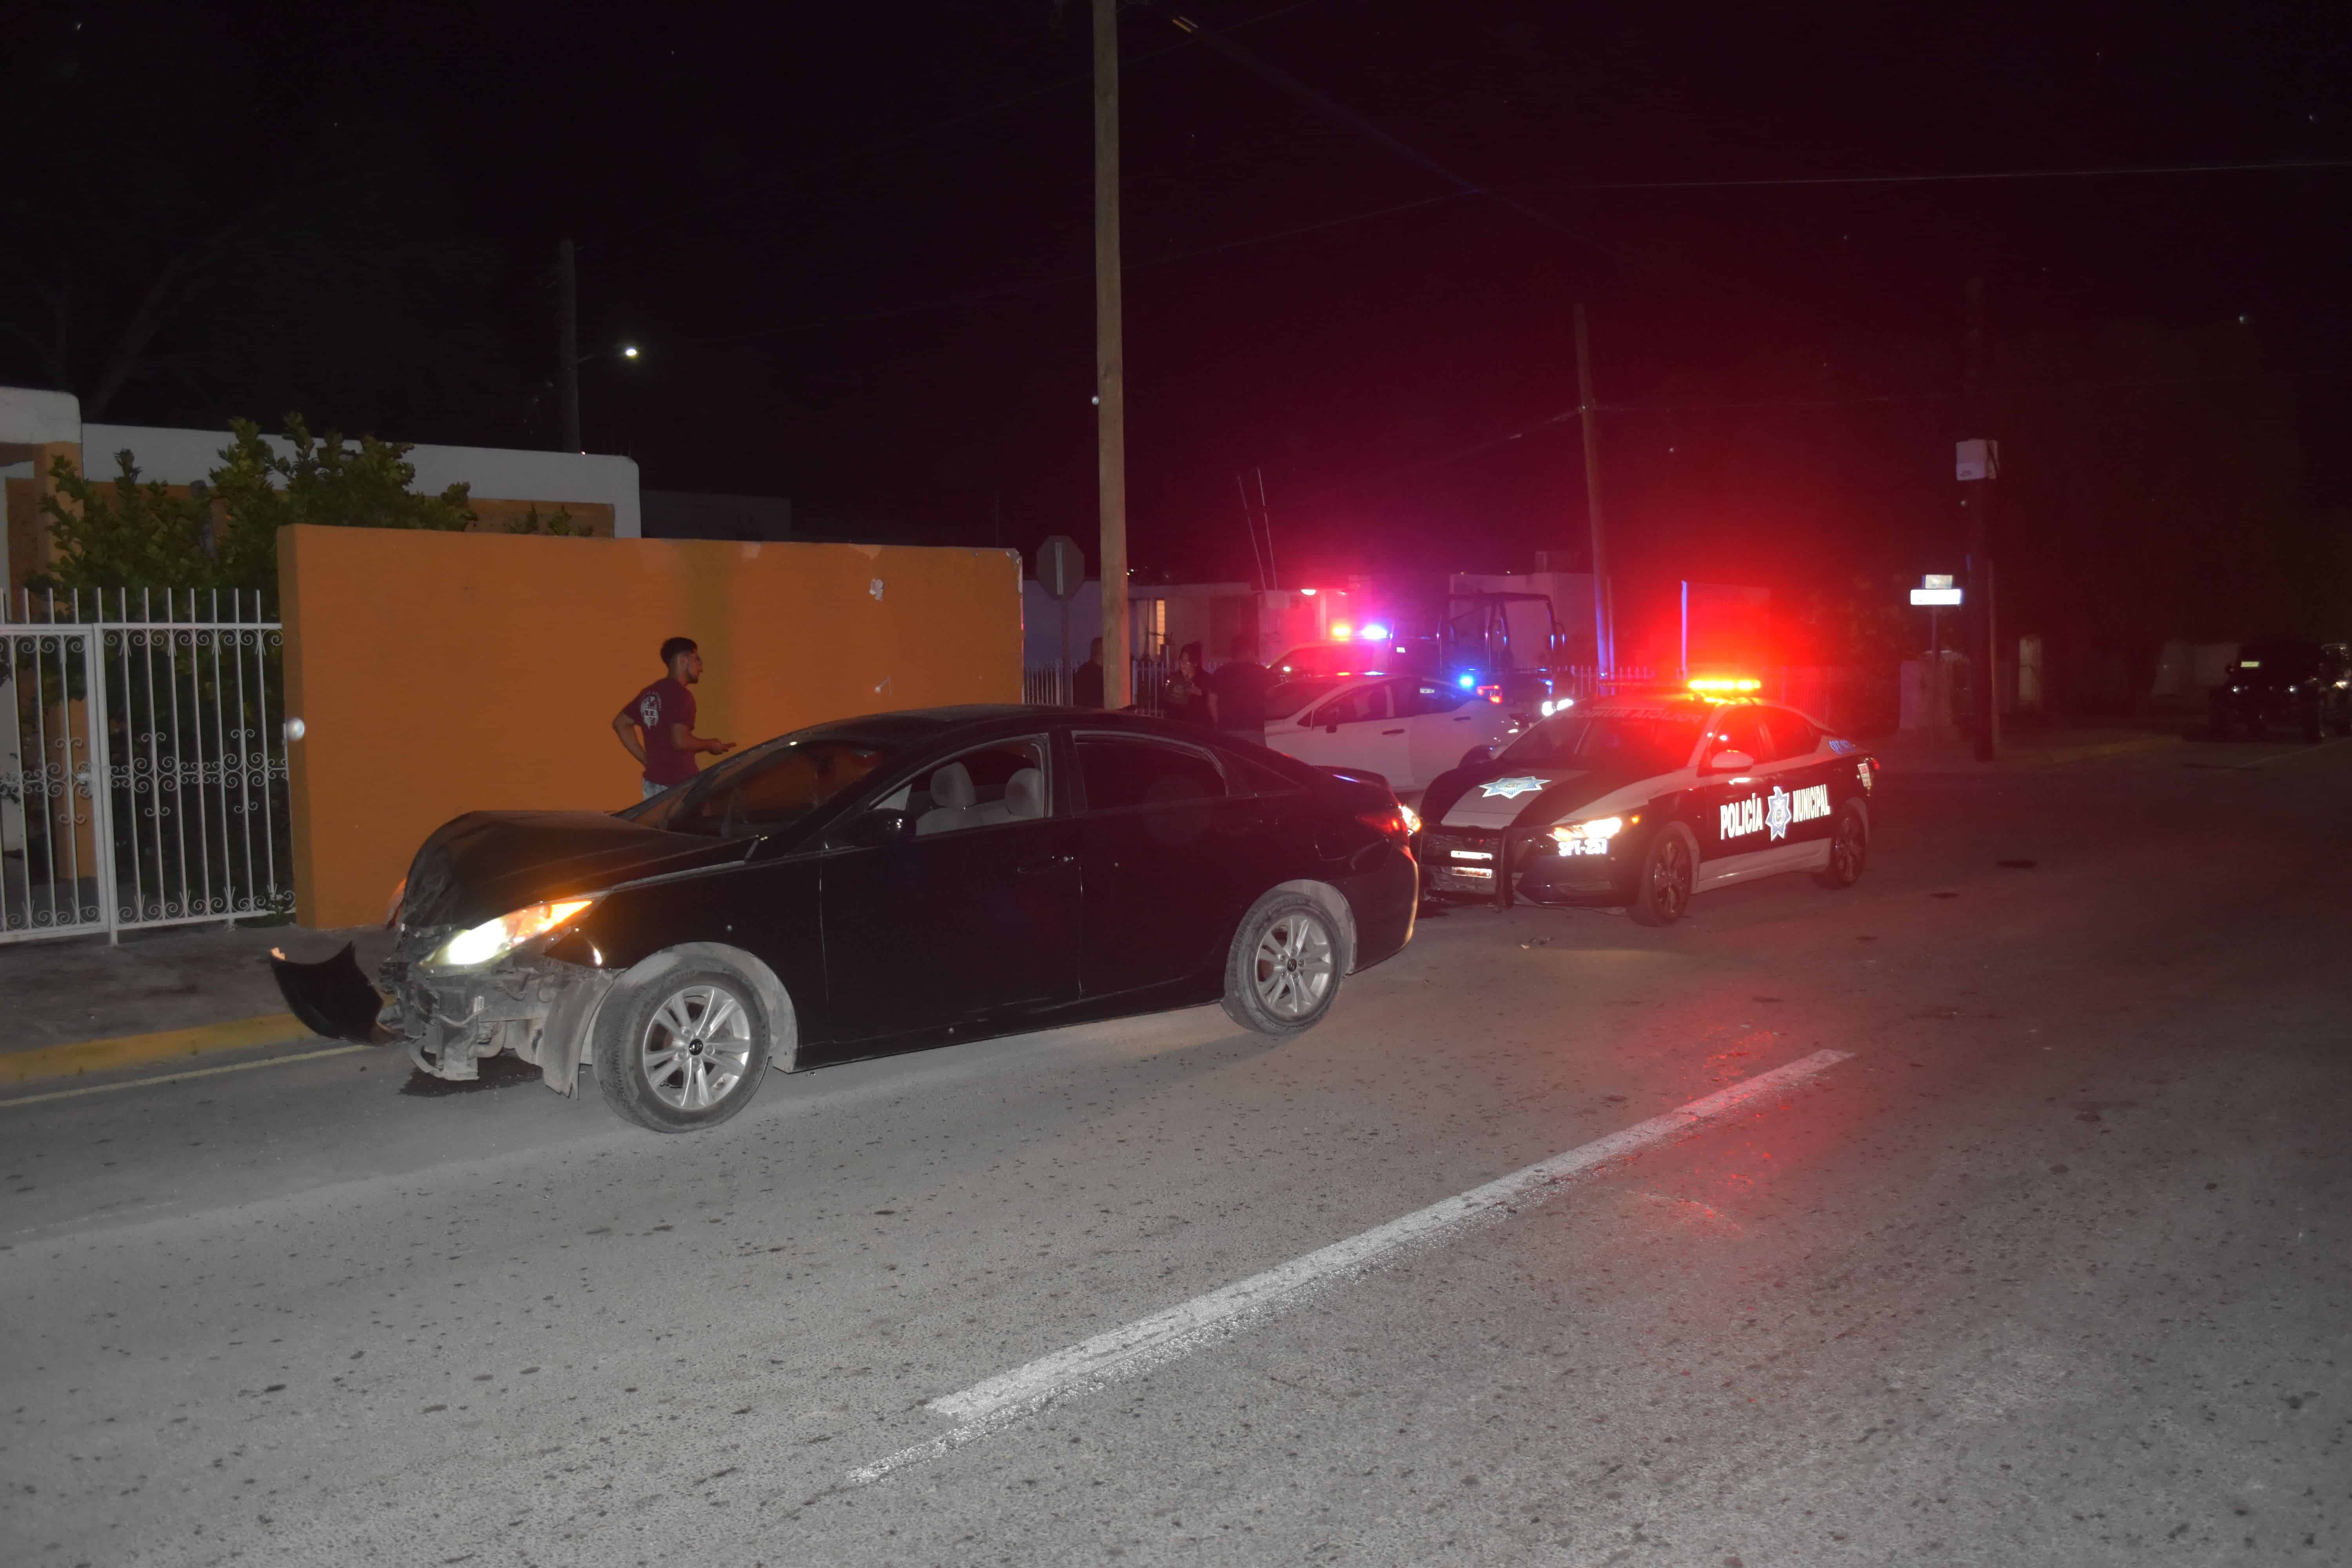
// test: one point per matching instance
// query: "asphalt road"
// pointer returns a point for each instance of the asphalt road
(2049, 1268)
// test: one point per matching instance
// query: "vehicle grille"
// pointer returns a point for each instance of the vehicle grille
(1454, 861)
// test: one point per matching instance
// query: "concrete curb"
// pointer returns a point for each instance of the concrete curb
(83, 1057)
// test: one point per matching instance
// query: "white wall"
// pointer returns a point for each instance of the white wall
(496, 473)
(1041, 622)
(29, 416)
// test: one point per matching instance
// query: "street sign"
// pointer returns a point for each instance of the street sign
(1062, 567)
(1977, 460)
(1934, 598)
(1937, 580)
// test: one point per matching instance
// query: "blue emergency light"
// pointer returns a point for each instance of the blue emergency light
(1468, 680)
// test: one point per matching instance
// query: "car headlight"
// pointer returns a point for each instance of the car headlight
(1412, 817)
(493, 940)
(1587, 838)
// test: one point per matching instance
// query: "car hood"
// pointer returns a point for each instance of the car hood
(1497, 794)
(486, 863)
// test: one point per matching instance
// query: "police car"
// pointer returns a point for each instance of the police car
(1648, 799)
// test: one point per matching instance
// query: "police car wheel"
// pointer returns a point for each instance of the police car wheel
(1849, 849)
(1662, 893)
(684, 1049)
(1283, 970)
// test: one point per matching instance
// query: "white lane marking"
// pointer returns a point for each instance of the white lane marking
(1147, 1342)
(176, 1077)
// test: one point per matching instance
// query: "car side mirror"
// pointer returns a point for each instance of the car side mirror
(1475, 755)
(1330, 729)
(1730, 759)
(874, 828)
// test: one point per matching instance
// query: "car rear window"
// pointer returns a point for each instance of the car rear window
(1121, 772)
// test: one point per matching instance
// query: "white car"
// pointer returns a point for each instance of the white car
(1407, 729)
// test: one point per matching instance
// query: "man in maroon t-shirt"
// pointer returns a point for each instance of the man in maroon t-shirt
(664, 711)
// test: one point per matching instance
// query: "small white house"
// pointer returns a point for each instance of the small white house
(37, 427)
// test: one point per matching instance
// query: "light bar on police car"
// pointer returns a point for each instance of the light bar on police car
(1726, 683)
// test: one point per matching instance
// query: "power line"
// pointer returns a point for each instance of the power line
(1566, 415)
(1984, 176)
(1061, 279)
(908, 138)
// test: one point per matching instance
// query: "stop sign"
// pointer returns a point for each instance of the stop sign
(1062, 567)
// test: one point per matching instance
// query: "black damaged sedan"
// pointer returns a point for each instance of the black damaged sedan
(876, 885)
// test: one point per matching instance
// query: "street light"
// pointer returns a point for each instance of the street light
(628, 351)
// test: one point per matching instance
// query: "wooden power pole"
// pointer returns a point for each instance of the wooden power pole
(567, 343)
(1976, 612)
(1110, 370)
(1604, 629)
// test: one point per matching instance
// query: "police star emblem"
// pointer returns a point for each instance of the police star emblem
(1776, 813)
(1511, 789)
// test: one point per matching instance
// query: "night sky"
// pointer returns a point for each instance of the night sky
(854, 243)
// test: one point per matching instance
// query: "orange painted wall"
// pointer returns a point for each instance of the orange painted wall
(439, 673)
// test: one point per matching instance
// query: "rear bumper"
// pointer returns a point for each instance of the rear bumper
(1383, 900)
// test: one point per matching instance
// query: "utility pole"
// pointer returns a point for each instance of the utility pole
(567, 343)
(1604, 631)
(1110, 363)
(1983, 643)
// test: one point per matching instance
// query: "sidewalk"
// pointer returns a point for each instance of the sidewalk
(1919, 754)
(160, 996)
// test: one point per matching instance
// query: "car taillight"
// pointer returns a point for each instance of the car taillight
(1491, 693)
(1389, 824)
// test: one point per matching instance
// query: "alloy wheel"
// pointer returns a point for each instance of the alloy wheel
(1670, 879)
(1845, 850)
(696, 1046)
(1294, 965)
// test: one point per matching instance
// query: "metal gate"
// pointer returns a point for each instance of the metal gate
(143, 768)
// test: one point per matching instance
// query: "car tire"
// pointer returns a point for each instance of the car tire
(683, 1047)
(1669, 874)
(1849, 849)
(1283, 970)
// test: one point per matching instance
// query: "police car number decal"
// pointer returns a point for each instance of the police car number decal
(1738, 819)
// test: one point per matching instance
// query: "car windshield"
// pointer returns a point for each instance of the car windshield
(1618, 742)
(767, 788)
(1288, 697)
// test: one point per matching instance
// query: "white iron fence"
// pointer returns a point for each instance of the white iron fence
(1050, 685)
(143, 763)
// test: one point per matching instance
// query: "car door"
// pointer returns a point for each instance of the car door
(972, 910)
(1442, 720)
(1729, 807)
(1174, 858)
(1356, 727)
(1799, 769)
